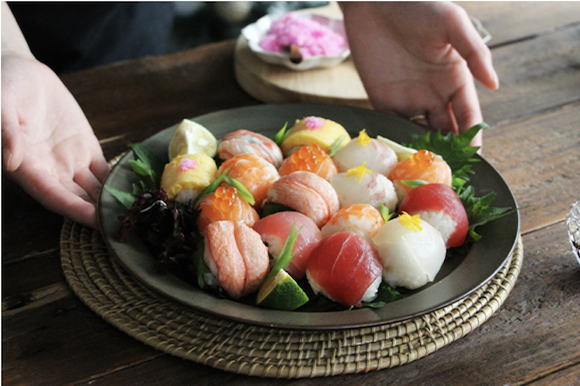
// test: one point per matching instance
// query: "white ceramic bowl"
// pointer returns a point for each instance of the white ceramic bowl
(254, 33)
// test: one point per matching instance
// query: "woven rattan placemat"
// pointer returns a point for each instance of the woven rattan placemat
(105, 287)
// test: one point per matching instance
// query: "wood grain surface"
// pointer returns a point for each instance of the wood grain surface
(50, 338)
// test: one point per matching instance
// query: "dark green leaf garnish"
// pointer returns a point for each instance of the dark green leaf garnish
(478, 210)
(454, 149)
(271, 208)
(385, 294)
(127, 199)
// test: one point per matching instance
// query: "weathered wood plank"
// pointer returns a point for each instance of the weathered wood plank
(542, 170)
(64, 342)
(508, 21)
(535, 76)
(24, 239)
(568, 376)
(153, 93)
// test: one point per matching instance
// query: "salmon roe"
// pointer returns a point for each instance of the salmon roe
(422, 159)
(225, 199)
(308, 157)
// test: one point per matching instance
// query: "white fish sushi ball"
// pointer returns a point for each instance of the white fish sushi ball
(410, 259)
(379, 157)
(372, 189)
(440, 221)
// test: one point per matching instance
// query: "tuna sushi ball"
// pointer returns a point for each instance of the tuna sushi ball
(345, 268)
(379, 157)
(441, 207)
(274, 229)
(411, 251)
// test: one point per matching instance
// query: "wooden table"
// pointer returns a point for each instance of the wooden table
(51, 338)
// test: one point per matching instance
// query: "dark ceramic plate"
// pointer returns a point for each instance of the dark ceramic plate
(458, 277)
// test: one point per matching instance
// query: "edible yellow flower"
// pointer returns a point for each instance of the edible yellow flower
(411, 222)
(358, 172)
(363, 138)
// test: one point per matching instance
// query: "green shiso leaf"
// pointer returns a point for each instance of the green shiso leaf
(479, 211)
(286, 254)
(281, 135)
(126, 199)
(242, 191)
(335, 146)
(271, 208)
(454, 149)
(385, 294)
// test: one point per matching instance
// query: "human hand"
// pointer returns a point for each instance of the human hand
(48, 145)
(419, 59)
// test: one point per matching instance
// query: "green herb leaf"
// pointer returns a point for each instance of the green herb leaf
(147, 164)
(127, 199)
(336, 146)
(414, 183)
(385, 294)
(211, 187)
(385, 212)
(479, 211)
(281, 135)
(454, 149)
(286, 254)
(199, 264)
(242, 191)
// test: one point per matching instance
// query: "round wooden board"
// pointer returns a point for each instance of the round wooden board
(277, 84)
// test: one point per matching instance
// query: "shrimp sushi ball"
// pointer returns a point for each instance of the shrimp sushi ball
(361, 185)
(224, 204)
(411, 251)
(309, 158)
(252, 171)
(362, 219)
(274, 230)
(187, 175)
(422, 165)
(379, 157)
(307, 193)
(236, 257)
(440, 206)
(314, 130)
(245, 141)
(345, 268)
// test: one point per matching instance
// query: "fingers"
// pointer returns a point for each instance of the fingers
(89, 183)
(13, 144)
(466, 40)
(100, 168)
(465, 106)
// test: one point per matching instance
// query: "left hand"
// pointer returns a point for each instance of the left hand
(420, 59)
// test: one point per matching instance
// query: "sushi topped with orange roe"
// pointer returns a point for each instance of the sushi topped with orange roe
(309, 158)
(225, 204)
(423, 165)
(253, 172)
